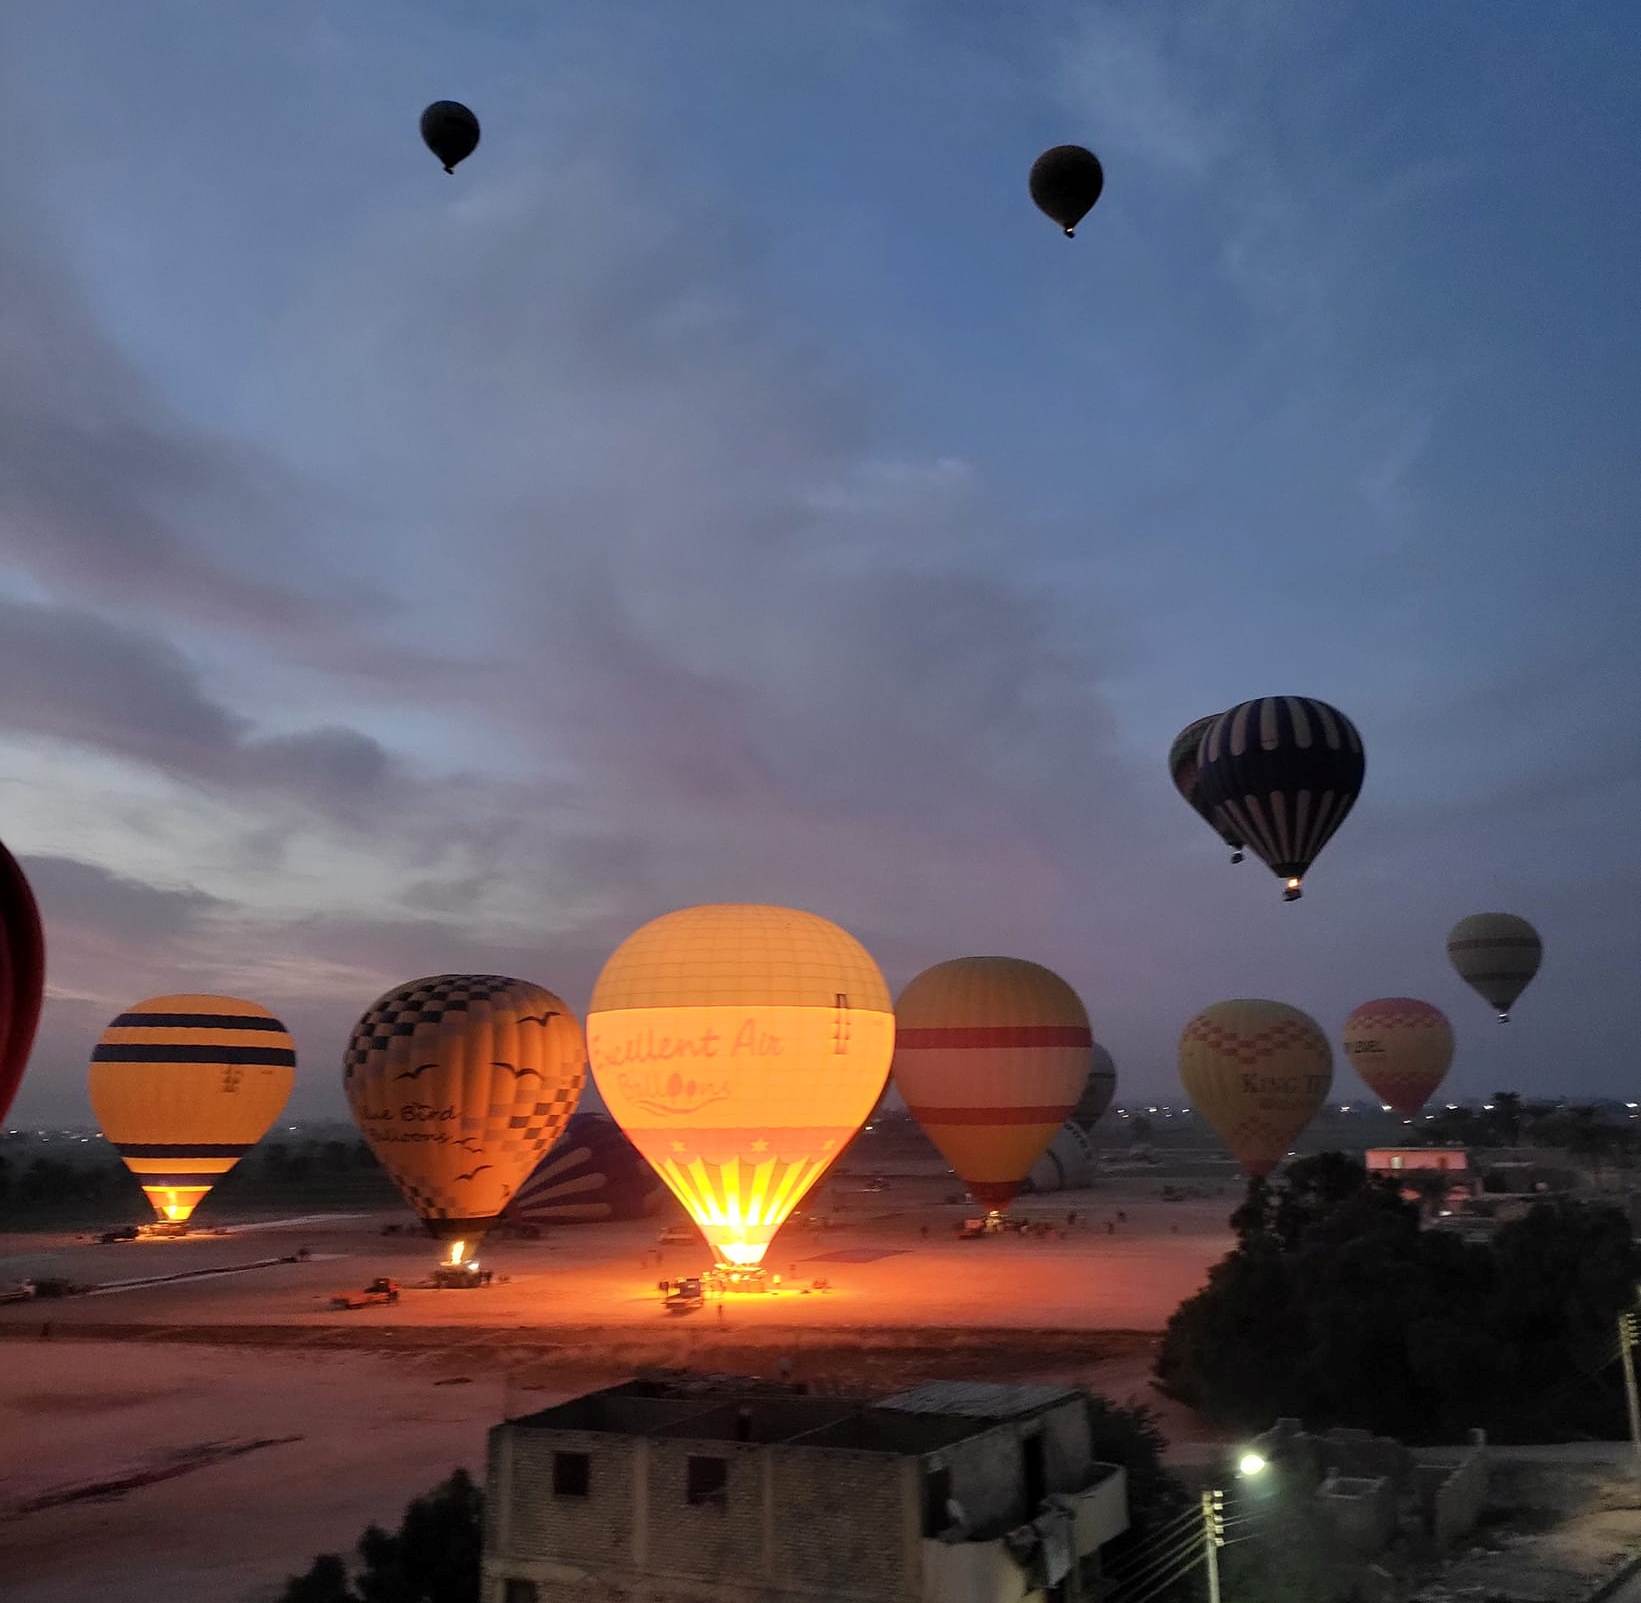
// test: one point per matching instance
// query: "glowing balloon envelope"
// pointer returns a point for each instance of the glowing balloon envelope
(593, 1172)
(185, 1086)
(22, 975)
(1401, 1047)
(740, 1048)
(1496, 955)
(460, 1082)
(1257, 1071)
(991, 1055)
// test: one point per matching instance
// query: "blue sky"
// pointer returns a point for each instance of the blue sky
(728, 487)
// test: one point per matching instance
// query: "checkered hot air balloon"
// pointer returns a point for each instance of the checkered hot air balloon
(460, 1082)
(1281, 773)
(1258, 1071)
(185, 1086)
(991, 1056)
(1402, 1048)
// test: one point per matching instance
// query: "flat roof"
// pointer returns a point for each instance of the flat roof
(728, 1409)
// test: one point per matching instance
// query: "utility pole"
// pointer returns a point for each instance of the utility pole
(1628, 1336)
(1213, 1537)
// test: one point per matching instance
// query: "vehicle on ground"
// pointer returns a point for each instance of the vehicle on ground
(678, 1236)
(682, 1296)
(380, 1292)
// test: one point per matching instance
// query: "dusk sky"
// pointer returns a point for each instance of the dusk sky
(729, 487)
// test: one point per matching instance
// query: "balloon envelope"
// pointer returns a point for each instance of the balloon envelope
(460, 1082)
(1496, 954)
(740, 1048)
(1098, 1089)
(1257, 1071)
(1183, 770)
(450, 131)
(185, 1086)
(593, 1172)
(1401, 1047)
(1282, 772)
(991, 1055)
(1067, 1165)
(1065, 182)
(22, 975)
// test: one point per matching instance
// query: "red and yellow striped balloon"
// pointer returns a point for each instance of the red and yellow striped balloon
(991, 1055)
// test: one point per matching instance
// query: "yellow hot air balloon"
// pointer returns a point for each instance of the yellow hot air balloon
(460, 1083)
(185, 1086)
(1258, 1071)
(740, 1048)
(991, 1055)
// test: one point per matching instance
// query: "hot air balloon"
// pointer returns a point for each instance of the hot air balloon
(22, 975)
(460, 1083)
(1258, 1071)
(1496, 955)
(1067, 1165)
(740, 1048)
(451, 132)
(1182, 769)
(1281, 772)
(1065, 182)
(593, 1172)
(991, 1055)
(1098, 1089)
(1401, 1047)
(184, 1087)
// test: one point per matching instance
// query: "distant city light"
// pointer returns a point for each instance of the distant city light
(1487, 1107)
(1452, 1107)
(1384, 1107)
(1344, 1107)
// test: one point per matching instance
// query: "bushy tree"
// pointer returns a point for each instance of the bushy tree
(1337, 1307)
(432, 1558)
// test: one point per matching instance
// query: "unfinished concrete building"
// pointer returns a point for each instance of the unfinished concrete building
(689, 1490)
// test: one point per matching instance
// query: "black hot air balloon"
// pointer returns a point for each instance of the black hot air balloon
(1182, 769)
(1282, 771)
(450, 131)
(1065, 183)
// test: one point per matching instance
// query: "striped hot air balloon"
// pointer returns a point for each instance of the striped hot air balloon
(1282, 772)
(1496, 954)
(1183, 770)
(1068, 1165)
(185, 1086)
(22, 975)
(592, 1173)
(460, 1082)
(1257, 1071)
(991, 1055)
(1401, 1047)
(1098, 1089)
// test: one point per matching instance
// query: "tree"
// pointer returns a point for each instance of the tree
(1131, 1437)
(432, 1558)
(1140, 1129)
(1338, 1308)
(1507, 1116)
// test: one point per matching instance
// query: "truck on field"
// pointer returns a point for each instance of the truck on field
(381, 1292)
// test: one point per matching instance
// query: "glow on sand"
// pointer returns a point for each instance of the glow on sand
(740, 1048)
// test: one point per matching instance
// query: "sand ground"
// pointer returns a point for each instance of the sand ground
(205, 1436)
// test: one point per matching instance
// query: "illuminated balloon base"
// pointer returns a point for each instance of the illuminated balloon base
(174, 1205)
(726, 1278)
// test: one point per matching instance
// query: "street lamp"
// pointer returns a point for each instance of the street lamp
(1251, 1464)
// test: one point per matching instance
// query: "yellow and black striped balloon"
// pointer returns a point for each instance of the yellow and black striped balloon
(185, 1086)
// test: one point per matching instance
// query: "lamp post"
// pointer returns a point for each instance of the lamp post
(1248, 1466)
(1628, 1336)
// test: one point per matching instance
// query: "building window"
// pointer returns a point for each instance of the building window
(519, 1592)
(572, 1474)
(707, 1481)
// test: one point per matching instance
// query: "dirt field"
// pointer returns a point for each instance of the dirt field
(204, 1436)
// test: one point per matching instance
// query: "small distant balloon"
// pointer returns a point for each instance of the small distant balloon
(1496, 955)
(1065, 183)
(450, 131)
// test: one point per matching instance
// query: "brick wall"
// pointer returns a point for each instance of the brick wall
(722, 1539)
(846, 1521)
(595, 1528)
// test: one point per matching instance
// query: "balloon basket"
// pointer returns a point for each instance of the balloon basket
(723, 1279)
